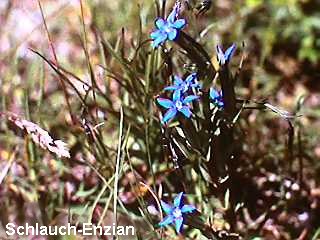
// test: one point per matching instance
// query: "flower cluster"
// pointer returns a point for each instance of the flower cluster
(180, 98)
(184, 92)
(168, 29)
(176, 212)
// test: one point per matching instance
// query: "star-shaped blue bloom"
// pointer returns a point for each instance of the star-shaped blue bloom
(177, 104)
(176, 212)
(167, 28)
(216, 97)
(184, 86)
(225, 57)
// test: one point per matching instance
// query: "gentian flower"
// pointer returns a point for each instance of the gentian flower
(225, 57)
(216, 97)
(168, 28)
(184, 86)
(175, 213)
(177, 104)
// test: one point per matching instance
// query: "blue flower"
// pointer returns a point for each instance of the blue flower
(167, 28)
(184, 86)
(225, 57)
(175, 213)
(177, 104)
(216, 97)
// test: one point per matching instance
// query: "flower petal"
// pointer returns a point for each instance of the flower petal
(191, 78)
(177, 80)
(171, 88)
(220, 55)
(229, 52)
(214, 94)
(178, 223)
(172, 16)
(166, 221)
(176, 95)
(186, 111)
(159, 40)
(166, 103)
(179, 24)
(171, 113)
(220, 103)
(189, 99)
(177, 201)
(160, 23)
(172, 34)
(155, 34)
(166, 207)
(188, 209)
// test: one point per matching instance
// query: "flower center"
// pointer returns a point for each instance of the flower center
(177, 213)
(178, 105)
(167, 28)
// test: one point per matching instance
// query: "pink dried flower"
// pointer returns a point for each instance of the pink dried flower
(39, 135)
